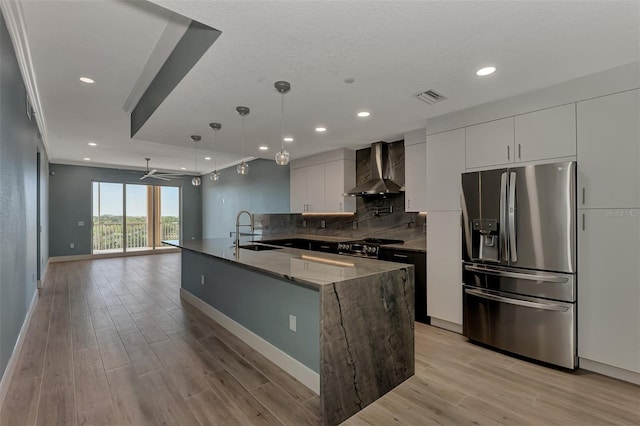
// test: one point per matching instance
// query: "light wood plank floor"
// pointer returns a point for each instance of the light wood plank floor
(111, 344)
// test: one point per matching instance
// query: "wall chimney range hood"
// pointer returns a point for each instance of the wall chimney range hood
(377, 184)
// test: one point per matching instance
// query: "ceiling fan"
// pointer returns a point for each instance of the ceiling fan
(157, 175)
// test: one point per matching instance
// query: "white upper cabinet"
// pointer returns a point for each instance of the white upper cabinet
(415, 177)
(490, 144)
(546, 134)
(445, 164)
(608, 287)
(609, 151)
(339, 177)
(318, 183)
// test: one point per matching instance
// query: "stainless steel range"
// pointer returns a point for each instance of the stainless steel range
(367, 247)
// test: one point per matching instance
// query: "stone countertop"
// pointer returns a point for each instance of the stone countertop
(419, 245)
(310, 268)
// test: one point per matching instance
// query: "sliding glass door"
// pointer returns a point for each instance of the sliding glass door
(131, 217)
(108, 217)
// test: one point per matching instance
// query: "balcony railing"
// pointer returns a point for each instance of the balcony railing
(108, 237)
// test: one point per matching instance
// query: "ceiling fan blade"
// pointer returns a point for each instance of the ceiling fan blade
(170, 174)
(152, 172)
(160, 177)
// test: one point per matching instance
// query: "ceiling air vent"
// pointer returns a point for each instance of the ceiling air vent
(431, 97)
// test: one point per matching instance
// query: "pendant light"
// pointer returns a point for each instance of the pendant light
(215, 174)
(195, 181)
(283, 87)
(243, 167)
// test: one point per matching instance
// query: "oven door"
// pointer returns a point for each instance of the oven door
(536, 328)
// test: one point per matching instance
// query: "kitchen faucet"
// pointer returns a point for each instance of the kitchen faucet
(237, 240)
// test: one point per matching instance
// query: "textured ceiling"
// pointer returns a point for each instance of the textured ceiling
(393, 50)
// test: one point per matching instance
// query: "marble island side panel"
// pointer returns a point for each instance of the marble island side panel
(367, 341)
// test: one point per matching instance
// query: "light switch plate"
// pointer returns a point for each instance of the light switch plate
(81, 223)
(72, 245)
(292, 323)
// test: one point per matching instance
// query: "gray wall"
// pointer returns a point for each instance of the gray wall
(260, 303)
(18, 196)
(264, 190)
(70, 189)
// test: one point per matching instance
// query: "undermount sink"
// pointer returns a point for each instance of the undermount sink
(258, 247)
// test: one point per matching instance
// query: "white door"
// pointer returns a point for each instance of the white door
(609, 287)
(444, 272)
(298, 193)
(334, 186)
(445, 164)
(315, 188)
(609, 151)
(549, 133)
(490, 144)
(415, 177)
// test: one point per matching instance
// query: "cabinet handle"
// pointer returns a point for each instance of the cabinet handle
(340, 205)
(519, 152)
(583, 192)
(583, 225)
(408, 203)
(400, 256)
(508, 152)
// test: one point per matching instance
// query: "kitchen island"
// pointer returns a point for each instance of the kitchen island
(343, 326)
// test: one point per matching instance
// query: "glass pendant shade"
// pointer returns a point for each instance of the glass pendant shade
(282, 158)
(215, 176)
(195, 181)
(282, 87)
(243, 168)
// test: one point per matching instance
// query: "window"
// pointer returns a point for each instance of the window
(130, 217)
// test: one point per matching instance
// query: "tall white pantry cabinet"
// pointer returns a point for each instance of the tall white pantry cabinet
(609, 230)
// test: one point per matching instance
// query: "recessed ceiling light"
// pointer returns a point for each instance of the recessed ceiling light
(288, 139)
(207, 158)
(183, 168)
(263, 148)
(93, 144)
(364, 114)
(87, 159)
(321, 129)
(485, 71)
(87, 80)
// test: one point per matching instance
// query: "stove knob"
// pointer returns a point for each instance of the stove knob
(372, 250)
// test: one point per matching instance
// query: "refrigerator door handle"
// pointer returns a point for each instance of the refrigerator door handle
(504, 247)
(518, 302)
(519, 275)
(512, 218)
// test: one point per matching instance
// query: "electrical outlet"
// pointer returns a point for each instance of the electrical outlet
(202, 279)
(292, 322)
(72, 245)
(81, 223)
(354, 225)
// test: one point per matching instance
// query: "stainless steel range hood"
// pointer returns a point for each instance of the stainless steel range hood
(377, 184)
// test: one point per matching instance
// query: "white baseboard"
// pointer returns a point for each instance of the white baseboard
(295, 368)
(43, 276)
(447, 325)
(11, 365)
(611, 371)
(56, 259)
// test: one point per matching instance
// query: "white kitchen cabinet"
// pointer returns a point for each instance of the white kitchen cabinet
(444, 272)
(609, 151)
(415, 177)
(490, 144)
(318, 183)
(339, 177)
(609, 287)
(307, 189)
(549, 133)
(445, 164)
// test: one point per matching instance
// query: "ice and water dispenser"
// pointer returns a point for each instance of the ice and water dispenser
(487, 239)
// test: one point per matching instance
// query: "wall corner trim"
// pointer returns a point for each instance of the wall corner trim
(17, 349)
(293, 367)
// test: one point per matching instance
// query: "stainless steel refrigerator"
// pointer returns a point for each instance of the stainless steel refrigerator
(519, 260)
